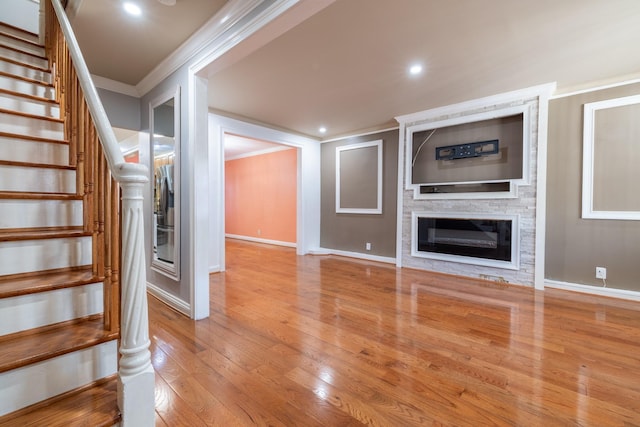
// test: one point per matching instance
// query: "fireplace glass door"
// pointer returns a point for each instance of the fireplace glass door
(478, 238)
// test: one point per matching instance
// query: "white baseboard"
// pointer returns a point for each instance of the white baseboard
(169, 299)
(595, 290)
(214, 268)
(259, 240)
(377, 258)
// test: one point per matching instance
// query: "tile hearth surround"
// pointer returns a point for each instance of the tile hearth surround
(523, 205)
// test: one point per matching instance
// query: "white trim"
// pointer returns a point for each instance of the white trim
(368, 257)
(228, 16)
(400, 196)
(339, 150)
(480, 195)
(198, 182)
(356, 135)
(514, 264)
(115, 86)
(257, 153)
(168, 269)
(259, 240)
(594, 290)
(169, 299)
(502, 98)
(588, 148)
(541, 191)
(524, 109)
(596, 88)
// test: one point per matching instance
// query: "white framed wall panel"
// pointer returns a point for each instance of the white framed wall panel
(342, 182)
(615, 171)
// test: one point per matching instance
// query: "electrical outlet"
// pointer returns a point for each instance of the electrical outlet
(367, 246)
(601, 273)
(259, 232)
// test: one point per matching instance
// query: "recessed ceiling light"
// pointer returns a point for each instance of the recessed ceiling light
(322, 129)
(132, 9)
(415, 69)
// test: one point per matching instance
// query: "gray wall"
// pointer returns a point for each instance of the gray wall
(350, 232)
(123, 110)
(575, 246)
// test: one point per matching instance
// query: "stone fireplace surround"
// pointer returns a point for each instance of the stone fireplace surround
(523, 202)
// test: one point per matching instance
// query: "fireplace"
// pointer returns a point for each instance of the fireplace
(490, 240)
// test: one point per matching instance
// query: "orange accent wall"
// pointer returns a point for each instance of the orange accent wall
(132, 158)
(260, 196)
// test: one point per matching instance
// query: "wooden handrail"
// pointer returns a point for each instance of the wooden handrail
(112, 193)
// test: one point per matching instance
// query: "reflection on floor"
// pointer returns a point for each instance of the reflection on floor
(329, 341)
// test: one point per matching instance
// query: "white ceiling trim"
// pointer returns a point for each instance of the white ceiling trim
(223, 20)
(355, 135)
(259, 152)
(593, 88)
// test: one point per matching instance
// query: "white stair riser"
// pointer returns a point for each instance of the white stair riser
(22, 71)
(24, 150)
(31, 126)
(24, 58)
(22, 45)
(28, 106)
(20, 86)
(8, 30)
(35, 310)
(41, 180)
(30, 384)
(22, 213)
(46, 254)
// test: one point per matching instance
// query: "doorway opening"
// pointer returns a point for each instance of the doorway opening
(260, 190)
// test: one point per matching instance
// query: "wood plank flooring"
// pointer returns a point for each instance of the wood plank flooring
(329, 341)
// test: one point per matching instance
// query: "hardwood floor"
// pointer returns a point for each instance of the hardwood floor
(329, 341)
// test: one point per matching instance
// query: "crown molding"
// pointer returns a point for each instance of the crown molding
(229, 15)
(114, 86)
(259, 152)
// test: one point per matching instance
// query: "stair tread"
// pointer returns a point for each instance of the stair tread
(35, 345)
(35, 165)
(41, 233)
(23, 284)
(27, 96)
(95, 405)
(22, 51)
(31, 116)
(33, 138)
(21, 30)
(27, 195)
(20, 39)
(25, 79)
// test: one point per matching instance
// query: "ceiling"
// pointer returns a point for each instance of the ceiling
(345, 67)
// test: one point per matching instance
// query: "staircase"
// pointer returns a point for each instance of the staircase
(60, 306)
(58, 362)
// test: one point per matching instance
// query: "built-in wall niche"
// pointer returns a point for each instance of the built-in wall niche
(482, 155)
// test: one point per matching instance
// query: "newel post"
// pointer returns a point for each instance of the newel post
(136, 380)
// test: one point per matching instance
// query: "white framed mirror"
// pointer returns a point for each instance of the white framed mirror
(164, 131)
